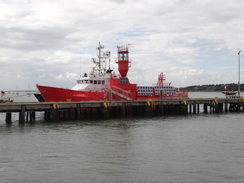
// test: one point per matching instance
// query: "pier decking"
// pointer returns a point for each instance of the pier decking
(56, 111)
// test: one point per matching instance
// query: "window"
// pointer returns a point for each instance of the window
(123, 80)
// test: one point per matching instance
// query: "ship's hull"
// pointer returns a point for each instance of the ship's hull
(229, 92)
(54, 94)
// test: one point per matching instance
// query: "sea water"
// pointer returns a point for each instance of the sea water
(183, 148)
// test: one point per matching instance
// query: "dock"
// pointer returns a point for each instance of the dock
(76, 110)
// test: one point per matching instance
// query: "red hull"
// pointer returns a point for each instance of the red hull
(51, 94)
(230, 92)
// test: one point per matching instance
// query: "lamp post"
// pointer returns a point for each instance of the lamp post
(239, 74)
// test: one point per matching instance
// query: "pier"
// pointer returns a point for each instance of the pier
(59, 111)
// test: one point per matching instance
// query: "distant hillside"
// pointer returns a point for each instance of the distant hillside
(212, 87)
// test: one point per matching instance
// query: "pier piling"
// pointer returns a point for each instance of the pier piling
(8, 117)
(22, 114)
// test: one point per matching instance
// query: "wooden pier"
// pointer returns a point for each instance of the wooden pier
(58, 111)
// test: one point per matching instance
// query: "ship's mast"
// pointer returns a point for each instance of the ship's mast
(161, 79)
(100, 48)
(100, 63)
(239, 86)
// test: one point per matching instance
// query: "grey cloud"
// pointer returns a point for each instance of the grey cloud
(165, 35)
(27, 39)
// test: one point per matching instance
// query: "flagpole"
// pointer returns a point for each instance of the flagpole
(239, 74)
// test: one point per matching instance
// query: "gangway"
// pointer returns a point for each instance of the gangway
(120, 92)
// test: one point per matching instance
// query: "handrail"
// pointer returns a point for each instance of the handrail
(120, 90)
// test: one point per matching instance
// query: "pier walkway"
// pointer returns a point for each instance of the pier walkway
(56, 111)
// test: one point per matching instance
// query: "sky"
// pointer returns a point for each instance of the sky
(193, 42)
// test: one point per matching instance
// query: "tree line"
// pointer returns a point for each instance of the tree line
(214, 87)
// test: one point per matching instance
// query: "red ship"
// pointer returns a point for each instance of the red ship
(228, 92)
(103, 84)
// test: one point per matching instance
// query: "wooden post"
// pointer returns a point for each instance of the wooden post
(211, 107)
(205, 106)
(226, 106)
(231, 107)
(238, 107)
(33, 116)
(221, 107)
(69, 114)
(189, 108)
(8, 117)
(194, 108)
(162, 108)
(77, 112)
(47, 115)
(123, 111)
(216, 108)
(63, 116)
(148, 111)
(55, 112)
(184, 108)
(105, 113)
(27, 116)
(85, 113)
(22, 114)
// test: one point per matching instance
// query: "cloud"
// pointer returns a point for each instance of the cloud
(68, 76)
(50, 42)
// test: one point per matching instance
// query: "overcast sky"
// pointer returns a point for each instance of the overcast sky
(193, 42)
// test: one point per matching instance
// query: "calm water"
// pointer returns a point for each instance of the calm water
(194, 148)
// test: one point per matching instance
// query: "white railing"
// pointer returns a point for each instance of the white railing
(120, 90)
